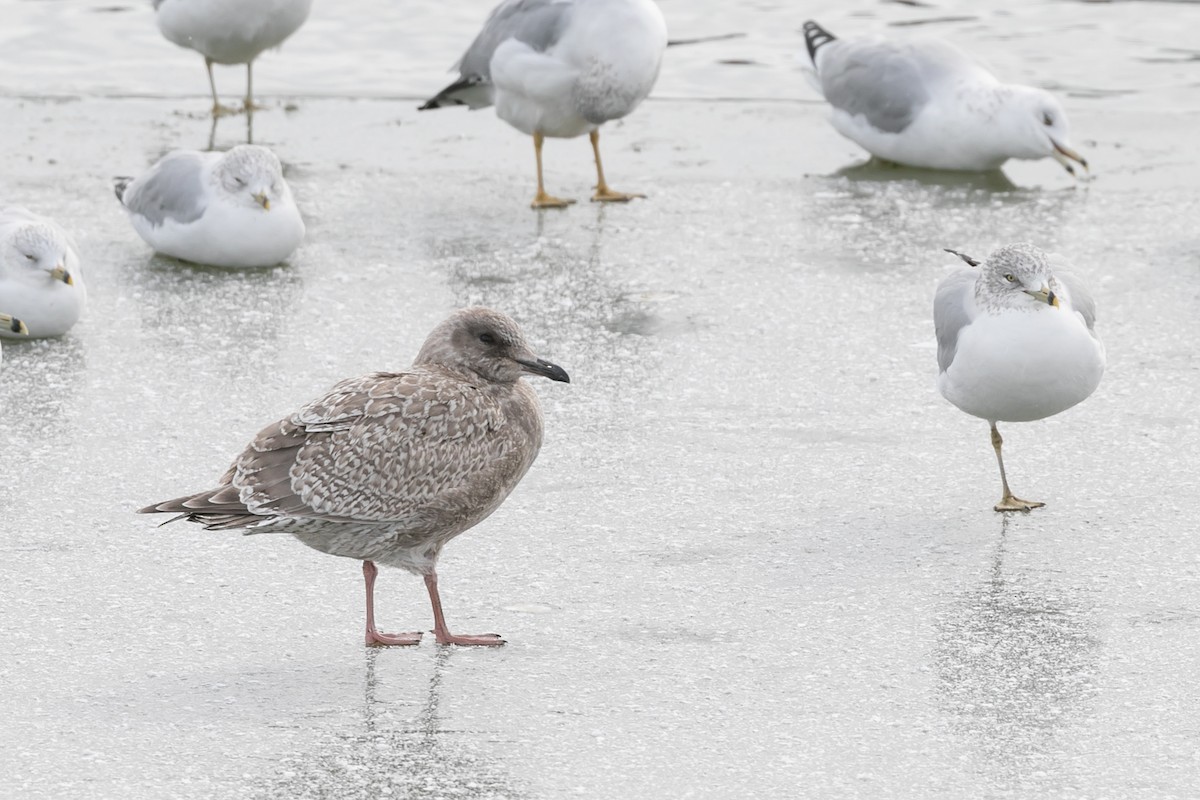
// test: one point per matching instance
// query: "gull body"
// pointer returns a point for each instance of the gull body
(41, 278)
(1016, 343)
(925, 103)
(389, 467)
(231, 209)
(560, 69)
(230, 31)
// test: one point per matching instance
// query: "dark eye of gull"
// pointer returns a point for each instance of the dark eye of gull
(487, 338)
(1047, 119)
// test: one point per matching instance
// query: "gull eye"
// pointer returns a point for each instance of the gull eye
(1047, 119)
(31, 258)
(240, 182)
(487, 338)
(1008, 276)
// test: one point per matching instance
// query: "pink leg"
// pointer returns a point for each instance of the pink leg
(439, 622)
(374, 636)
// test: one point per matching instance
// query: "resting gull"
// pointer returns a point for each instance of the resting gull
(388, 467)
(41, 281)
(230, 32)
(925, 103)
(562, 68)
(1016, 342)
(231, 209)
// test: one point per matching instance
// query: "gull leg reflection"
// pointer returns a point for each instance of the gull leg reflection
(1016, 660)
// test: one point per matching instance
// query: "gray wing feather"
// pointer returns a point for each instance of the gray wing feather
(1079, 296)
(537, 23)
(379, 448)
(951, 311)
(886, 82)
(172, 189)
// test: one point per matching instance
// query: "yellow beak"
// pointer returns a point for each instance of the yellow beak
(263, 200)
(13, 324)
(1045, 295)
(59, 273)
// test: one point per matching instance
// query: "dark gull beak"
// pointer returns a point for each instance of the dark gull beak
(13, 325)
(544, 368)
(59, 273)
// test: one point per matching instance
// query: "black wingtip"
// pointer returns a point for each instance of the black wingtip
(816, 37)
(119, 185)
(972, 262)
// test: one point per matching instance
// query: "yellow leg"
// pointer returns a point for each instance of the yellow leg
(248, 104)
(603, 193)
(543, 200)
(1009, 502)
(218, 110)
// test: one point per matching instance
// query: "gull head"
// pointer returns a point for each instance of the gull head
(480, 341)
(252, 175)
(37, 253)
(1041, 128)
(1019, 276)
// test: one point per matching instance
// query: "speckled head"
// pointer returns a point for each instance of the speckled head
(1018, 272)
(486, 343)
(35, 250)
(253, 174)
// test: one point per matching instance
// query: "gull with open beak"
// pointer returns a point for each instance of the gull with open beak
(230, 209)
(41, 280)
(1016, 342)
(925, 103)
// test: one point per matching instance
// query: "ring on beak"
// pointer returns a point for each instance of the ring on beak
(1044, 295)
(60, 273)
(1065, 155)
(13, 325)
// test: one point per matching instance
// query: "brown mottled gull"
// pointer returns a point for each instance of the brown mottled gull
(388, 467)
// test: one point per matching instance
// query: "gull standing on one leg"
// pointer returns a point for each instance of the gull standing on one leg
(1016, 342)
(925, 103)
(560, 69)
(230, 32)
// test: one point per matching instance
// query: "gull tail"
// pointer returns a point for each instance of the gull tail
(472, 91)
(119, 185)
(816, 37)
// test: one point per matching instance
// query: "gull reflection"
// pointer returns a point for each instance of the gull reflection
(393, 753)
(1016, 660)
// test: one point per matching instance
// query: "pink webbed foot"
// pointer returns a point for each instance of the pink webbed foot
(482, 640)
(377, 639)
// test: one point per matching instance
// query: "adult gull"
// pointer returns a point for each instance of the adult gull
(1016, 342)
(231, 209)
(925, 103)
(41, 279)
(230, 32)
(562, 68)
(388, 467)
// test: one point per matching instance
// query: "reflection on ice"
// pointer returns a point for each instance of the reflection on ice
(392, 752)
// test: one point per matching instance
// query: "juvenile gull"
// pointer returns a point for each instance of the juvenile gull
(1016, 342)
(562, 68)
(41, 281)
(231, 209)
(230, 32)
(388, 467)
(925, 103)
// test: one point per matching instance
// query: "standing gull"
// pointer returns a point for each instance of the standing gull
(230, 209)
(230, 32)
(41, 281)
(388, 467)
(1016, 342)
(925, 103)
(562, 68)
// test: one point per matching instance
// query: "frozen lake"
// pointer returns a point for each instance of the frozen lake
(756, 557)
